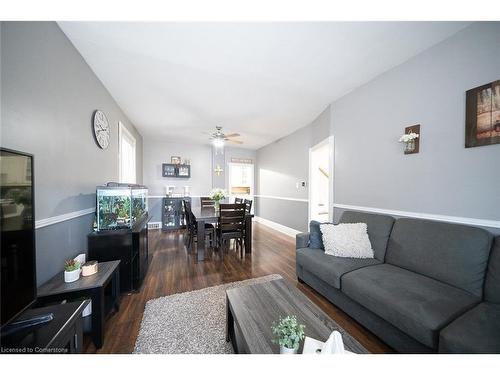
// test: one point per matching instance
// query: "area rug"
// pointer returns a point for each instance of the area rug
(189, 323)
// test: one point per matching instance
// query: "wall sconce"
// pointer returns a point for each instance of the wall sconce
(411, 139)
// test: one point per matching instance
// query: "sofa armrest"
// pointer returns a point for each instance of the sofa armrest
(301, 240)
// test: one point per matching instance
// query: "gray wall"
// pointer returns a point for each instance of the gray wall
(370, 167)
(444, 178)
(48, 97)
(156, 153)
(281, 165)
(202, 176)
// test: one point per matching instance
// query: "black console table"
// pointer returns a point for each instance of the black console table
(103, 288)
(63, 334)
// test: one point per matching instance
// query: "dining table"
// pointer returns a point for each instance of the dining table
(204, 215)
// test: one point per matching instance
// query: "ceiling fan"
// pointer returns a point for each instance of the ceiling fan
(219, 138)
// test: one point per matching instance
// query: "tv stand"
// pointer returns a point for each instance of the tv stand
(25, 323)
(62, 334)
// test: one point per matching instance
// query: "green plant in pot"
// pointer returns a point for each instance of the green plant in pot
(71, 270)
(288, 334)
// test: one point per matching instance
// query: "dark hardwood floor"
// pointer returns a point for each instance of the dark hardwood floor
(173, 270)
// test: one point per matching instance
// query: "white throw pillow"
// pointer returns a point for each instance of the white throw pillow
(347, 240)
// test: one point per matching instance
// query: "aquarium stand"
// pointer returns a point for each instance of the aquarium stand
(130, 246)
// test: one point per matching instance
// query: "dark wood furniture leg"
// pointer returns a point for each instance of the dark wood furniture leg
(115, 282)
(98, 316)
(229, 322)
(248, 235)
(200, 237)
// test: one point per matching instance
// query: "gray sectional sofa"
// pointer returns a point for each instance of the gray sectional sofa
(432, 286)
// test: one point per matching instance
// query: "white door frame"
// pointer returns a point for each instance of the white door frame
(331, 153)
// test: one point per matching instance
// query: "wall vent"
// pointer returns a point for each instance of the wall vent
(154, 225)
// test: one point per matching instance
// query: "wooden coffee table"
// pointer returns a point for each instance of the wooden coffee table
(251, 311)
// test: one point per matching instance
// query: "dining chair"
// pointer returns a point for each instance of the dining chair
(207, 202)
(248, 206)
(238, 200)
(192, 227)
(231, 225)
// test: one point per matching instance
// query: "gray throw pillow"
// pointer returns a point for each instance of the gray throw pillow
(315, 236)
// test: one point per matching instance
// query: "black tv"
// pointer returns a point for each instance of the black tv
(17, 222)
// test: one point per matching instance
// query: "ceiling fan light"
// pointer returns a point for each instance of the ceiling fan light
(218, 142)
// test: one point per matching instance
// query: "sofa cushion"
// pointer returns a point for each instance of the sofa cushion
(327, 267)
(492, 285)
(477, 331)
(379, 229)
(451, 253)
(315, 237)
(417, 305)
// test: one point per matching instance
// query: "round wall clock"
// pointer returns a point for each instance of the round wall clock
(101, 129)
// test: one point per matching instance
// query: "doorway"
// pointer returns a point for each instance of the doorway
(321, 181)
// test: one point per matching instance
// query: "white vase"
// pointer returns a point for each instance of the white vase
(285, 350)
(71, 276)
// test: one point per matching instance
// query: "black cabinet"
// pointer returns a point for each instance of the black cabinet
(130, 246)
(63, 334)
(173, 216)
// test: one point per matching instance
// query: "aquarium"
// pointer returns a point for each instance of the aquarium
(119, 206)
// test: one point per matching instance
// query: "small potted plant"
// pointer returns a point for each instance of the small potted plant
(71, 270)
(217, 195)
(288, 334)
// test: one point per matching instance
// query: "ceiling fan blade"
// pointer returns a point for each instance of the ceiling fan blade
(232, 135)
(234, 141)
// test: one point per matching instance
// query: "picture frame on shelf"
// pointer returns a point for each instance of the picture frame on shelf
(175, 159)
(183, 171)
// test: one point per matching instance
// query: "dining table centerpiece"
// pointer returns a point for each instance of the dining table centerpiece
(218, 195)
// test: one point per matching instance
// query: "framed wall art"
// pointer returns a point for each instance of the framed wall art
(482, 115)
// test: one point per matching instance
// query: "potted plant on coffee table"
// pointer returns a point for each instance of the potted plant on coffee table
(288, 334)
(71, 270)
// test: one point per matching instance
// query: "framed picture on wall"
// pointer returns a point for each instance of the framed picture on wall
(168, 170)
(175, 159)
(482, 116)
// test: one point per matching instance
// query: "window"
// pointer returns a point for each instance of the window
(126, 152)
(240, 179)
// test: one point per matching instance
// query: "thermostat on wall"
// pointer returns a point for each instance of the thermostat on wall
(301, 184)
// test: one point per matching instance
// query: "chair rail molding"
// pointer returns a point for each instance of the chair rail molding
(281, 198)
(420, 215)
(64, 217)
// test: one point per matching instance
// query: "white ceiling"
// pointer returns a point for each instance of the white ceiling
(263, 80)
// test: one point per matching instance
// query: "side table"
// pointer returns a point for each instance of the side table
(92, 287)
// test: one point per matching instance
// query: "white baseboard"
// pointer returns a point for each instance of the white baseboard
(276, 226)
